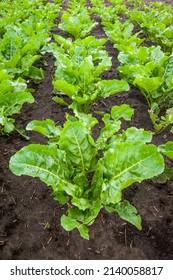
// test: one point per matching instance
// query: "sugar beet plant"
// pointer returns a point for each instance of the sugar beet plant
(24, 33)
(13, 94)
(24, 40)
(151, 70)
(79, 65)
(20, 49)
(17, 12)
(121, 33)
(76, 20)
(156, 22)
(148, 68)
(108, 13)
(90, 174)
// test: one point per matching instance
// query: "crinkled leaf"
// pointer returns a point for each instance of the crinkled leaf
(107, 132)
(97, 181)
(129, 72)
(110, 87)
(131, 134)
(157, 55)
(87, 119)
(127, 212)
(123, 111)
(6, 124)
(69, 224)
(167, 149)
(45, 127)
(92, 212)
(81, 203)
(47, 163)
(77, 24)
(12, 102)
(76, 214)
(135, 134)
(75, 141)
(149, 85)
(81, 179)
(86, 76)
(127, 163)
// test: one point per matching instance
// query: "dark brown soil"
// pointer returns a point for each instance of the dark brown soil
(27, 208)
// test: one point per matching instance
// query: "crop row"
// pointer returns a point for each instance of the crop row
(24, 34)
(91, 174)
(148, 68)
(155, 21)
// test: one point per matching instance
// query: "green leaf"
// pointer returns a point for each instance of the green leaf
(35, 73)
(47, 163)
(97, 181)
(78, 22)
(169, 116)
(123, 111)
(131, 71)
(93, 42)
(64, 43)
(69, 224)
(157, 55)
(135, 134)
(169, 72)
(87, 119)
(107, 132)
(81, 179)
(131, 134)
(93, 212)
(6, 124)
(64, 87)
(110, 87)
(76, 214)
(13, 102)
(149, 85)
(60, 100)
(13, 95)
(83, 230)
(167, 149)
(164, 177)
(86, 73)
(60, 196)
(127, 212)
(45, 127)
(81, 203)
(74, 139)
(127, 163)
